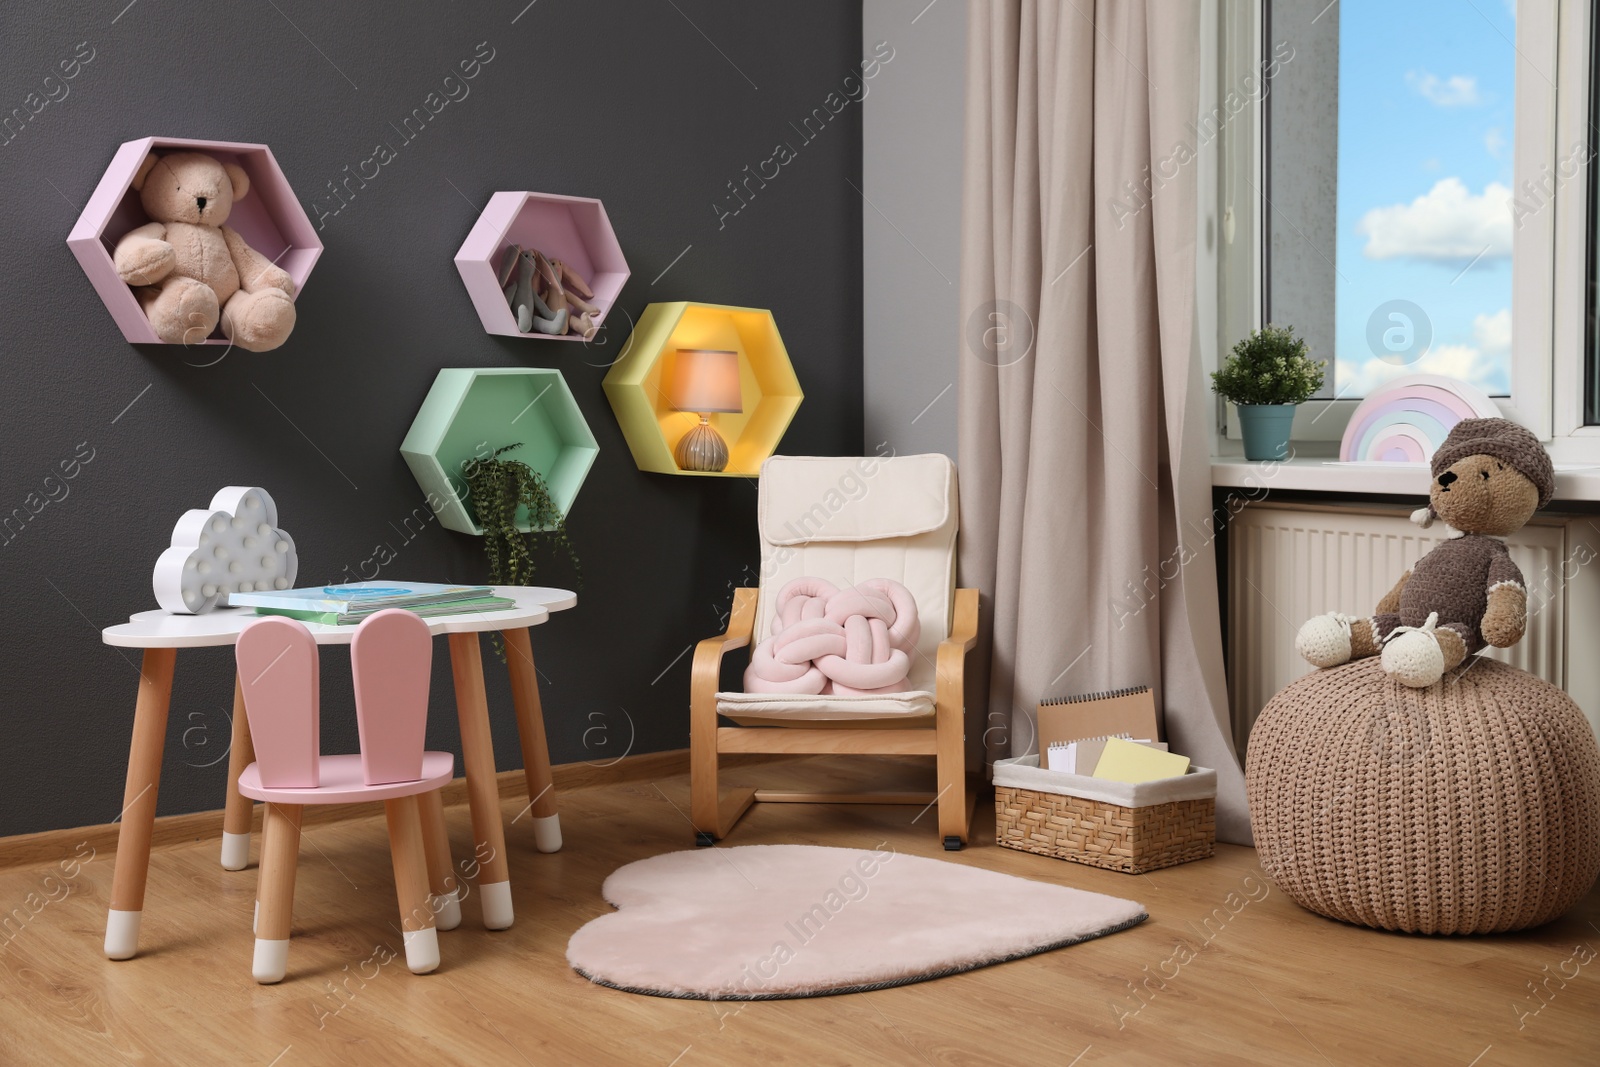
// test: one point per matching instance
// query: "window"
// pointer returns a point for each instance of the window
(1404, 175)
(1411, 189)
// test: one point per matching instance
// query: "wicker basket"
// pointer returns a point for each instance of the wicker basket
(1121, 827)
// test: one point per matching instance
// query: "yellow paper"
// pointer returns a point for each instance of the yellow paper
(1125, 761)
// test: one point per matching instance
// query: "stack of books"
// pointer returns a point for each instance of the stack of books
(345, 605)
(1107, 735)
(1118, 757)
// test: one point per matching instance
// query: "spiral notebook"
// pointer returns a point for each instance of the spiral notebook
(1130, 712)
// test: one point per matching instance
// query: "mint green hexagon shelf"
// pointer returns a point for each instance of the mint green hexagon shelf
(470, 413)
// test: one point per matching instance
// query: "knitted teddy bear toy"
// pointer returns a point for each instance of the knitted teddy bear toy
(1489, 477)
(188, 270)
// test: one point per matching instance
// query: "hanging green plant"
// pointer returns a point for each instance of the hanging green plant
(497, 488)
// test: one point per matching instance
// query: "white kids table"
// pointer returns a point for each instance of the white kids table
(160, 634)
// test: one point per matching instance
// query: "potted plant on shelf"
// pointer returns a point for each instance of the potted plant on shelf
(497, 489)
(1268, 374)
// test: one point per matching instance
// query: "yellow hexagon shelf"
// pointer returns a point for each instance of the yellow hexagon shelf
(769, 391)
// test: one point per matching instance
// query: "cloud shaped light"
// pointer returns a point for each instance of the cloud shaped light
(234, 546)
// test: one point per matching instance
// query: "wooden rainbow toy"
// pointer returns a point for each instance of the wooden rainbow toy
(1406, 420)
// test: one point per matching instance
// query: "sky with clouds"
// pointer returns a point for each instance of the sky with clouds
(1425, 132)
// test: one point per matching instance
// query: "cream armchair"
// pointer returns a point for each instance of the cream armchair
(846, 520)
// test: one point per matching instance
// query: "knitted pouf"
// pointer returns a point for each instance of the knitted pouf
(1468, 807)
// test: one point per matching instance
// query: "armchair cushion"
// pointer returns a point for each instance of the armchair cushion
(805, 707)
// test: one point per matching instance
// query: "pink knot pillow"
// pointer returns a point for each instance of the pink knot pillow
(842, 642)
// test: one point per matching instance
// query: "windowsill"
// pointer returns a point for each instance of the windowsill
(1319, 475)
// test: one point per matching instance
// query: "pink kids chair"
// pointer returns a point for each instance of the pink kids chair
(391, 658)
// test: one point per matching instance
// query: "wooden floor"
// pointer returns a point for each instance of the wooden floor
(1226, 971)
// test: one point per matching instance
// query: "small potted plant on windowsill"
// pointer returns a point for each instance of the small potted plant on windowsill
(1268, 374)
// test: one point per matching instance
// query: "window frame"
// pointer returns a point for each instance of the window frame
(1550, 247)
(1572, 439)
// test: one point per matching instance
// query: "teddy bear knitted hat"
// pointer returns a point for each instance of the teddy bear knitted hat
(1505, 441)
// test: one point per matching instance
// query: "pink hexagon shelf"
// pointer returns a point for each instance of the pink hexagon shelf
(573, 229)
(270, 218)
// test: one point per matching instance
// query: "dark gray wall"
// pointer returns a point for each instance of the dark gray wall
(628, 101)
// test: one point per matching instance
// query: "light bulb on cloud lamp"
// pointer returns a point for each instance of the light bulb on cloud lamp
(704, 380)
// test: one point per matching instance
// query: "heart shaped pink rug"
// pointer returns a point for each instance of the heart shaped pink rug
(766, 922)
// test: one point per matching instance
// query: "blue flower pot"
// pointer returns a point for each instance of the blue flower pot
(1266, 429)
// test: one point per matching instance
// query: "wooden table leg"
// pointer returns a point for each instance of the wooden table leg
(237, 810)
(483, 793)
(139, 802)
(535, 748)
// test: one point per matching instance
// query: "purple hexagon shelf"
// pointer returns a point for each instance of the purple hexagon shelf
(270, 218)
(573, 229)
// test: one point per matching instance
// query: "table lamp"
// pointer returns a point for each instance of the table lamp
(704, 380)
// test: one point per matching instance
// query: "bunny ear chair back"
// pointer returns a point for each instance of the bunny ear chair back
(391, 659)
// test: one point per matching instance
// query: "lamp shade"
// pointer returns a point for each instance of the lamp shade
(705, 380)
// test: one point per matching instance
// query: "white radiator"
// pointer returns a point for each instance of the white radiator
(1288, 563)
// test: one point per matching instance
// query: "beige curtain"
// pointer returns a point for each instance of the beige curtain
(1085, 478)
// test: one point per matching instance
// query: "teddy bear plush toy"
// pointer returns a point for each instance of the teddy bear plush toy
(1489, 477)
(188, 270)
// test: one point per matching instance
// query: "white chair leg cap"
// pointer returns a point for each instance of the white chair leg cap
(422, 950)
(497, 910)
(235, 851)
(271, 961)
(547, 833)
(122, 934)
(1324, 641)
(446, 911)
(1414, 659)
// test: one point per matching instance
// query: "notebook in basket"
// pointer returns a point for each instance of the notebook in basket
(1119, 711)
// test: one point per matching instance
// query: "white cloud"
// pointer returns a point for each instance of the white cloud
(1462, 362)
(1357, 378)
(1446, 224)
(1493, 332)
(1458, 90)
(1484, 363)
(1466, 363)
(1494, 142)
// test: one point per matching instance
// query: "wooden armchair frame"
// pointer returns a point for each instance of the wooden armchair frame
(940, 735)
